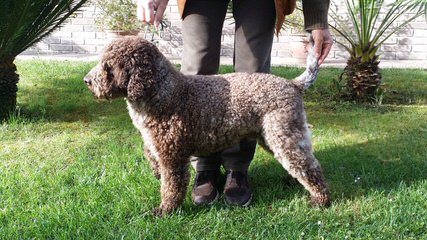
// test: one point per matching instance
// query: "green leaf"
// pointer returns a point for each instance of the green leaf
(367, 31)
(25, 22)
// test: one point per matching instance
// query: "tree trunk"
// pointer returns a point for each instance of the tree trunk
(8, 88)
(363, 79)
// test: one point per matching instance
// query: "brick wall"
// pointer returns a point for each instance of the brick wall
(80, 35)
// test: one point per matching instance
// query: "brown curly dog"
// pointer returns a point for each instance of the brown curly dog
(180, 116)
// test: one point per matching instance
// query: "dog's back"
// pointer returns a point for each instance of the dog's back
(232, 106)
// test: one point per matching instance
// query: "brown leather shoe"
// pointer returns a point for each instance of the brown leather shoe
(237, 190)
(205, 189)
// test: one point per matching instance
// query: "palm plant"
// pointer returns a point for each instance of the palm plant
(23, 23)
(371, 23)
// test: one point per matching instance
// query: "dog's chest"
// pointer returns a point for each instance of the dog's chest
(139, 119)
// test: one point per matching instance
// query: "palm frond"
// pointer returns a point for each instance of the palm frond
(366, 35)
(25, 22)
(341, 26)
(353, 17)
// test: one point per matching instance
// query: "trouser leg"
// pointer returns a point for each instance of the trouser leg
(239, 157)
(201, 33)
(202, 27)
(253, 41)
(255, 21)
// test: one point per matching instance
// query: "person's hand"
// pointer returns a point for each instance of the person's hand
(322, 42)
(151, 11)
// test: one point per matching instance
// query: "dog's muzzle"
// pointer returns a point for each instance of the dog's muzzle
(88, 80)
(90, 75)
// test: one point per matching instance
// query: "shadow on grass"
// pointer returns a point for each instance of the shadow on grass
(352, 171)
(55, 91)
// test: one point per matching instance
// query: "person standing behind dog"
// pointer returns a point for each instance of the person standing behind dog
(255, 20)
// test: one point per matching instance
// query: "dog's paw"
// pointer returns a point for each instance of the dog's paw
(158, 212)
(321, 201)
(162, 211)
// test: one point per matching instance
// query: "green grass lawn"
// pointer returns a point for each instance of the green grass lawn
(73, 168)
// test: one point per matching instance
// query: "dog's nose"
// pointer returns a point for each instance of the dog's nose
(90, 75)
(87, 80)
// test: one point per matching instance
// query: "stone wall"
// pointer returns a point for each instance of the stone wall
(80, 35)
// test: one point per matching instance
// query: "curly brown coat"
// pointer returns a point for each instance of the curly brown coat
(180, 116)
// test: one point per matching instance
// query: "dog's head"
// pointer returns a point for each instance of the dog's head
(127, 69)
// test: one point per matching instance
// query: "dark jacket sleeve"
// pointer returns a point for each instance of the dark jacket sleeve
(315, 14)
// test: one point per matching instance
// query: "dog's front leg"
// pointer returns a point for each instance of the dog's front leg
(153, 161)
(174, 182)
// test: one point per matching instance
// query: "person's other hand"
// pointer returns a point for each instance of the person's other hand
(151, 11)
(322, 42)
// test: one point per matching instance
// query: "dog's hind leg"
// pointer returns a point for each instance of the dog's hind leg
(174, 181)
(291, 145)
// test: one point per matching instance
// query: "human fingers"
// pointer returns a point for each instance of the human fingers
(323, 43)
(318, 42)
(145, 10)
(327, 45)
(160, 10)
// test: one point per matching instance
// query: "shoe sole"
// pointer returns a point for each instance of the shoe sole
(241, 205)
(208, 203)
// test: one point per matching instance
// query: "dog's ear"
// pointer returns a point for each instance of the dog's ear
(141, 74)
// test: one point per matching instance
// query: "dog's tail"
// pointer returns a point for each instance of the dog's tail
(307, 78)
